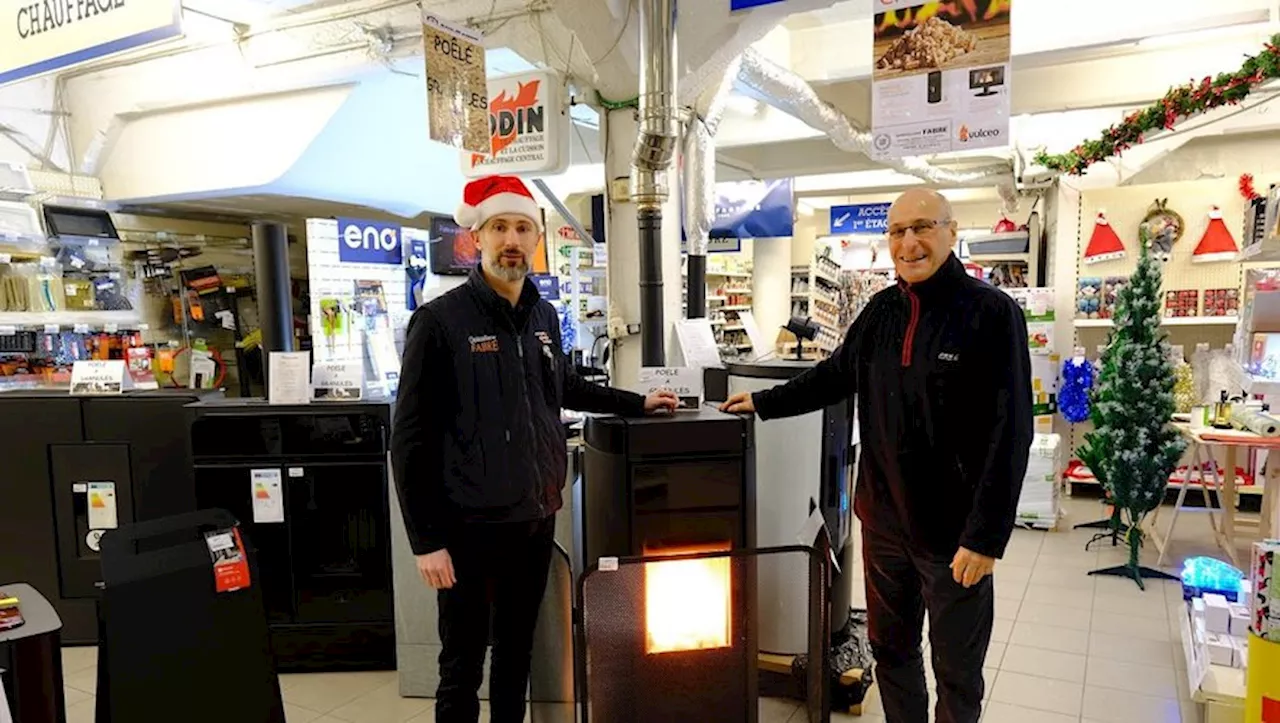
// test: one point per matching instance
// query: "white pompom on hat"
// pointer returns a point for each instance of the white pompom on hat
(490, 196)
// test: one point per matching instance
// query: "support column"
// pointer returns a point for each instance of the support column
(771, 280)
(274, 289)
(622, 239)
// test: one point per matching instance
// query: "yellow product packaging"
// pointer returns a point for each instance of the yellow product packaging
(1262, 699)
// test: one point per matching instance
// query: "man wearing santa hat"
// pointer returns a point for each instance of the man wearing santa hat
(479, 455)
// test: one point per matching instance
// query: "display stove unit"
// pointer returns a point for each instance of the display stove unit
(665, 533)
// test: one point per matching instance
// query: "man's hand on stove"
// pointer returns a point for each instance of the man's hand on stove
(740, 403)
(968, 567)
(663, 400)
(436, 569)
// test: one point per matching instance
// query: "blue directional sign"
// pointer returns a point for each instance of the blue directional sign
(748, 4)
(860, 218)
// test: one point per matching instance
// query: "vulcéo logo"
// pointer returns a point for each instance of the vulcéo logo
(967, 135)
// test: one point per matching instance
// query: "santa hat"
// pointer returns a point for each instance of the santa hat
(1104, 244)
(490, 196)
(1217, 243)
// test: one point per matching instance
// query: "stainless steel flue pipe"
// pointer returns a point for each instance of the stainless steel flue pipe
(659, 122)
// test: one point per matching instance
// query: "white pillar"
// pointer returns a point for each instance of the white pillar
(619, 138)
(771, 279)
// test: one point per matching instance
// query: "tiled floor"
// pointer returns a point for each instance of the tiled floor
(1067, 648)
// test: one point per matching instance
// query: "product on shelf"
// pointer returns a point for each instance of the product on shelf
(1264, 602)
(1216, 244)
(1110, 292)
(1221, 302)
(1088, 297)
(1181, 302)
(1104, 244)
(1162, 227)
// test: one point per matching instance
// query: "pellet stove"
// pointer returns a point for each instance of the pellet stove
(667, 567)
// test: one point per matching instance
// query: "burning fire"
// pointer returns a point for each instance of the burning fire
(687, 602)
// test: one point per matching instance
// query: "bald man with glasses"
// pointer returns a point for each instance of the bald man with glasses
(941, 372)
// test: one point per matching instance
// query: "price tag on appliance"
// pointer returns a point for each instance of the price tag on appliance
(230, 566)
(685, 382)
(103, 512)
(268, 496)
(100, 377)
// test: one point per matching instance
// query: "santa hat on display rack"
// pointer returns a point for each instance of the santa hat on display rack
(1217, 243)
(1104, 244)
(490, 196)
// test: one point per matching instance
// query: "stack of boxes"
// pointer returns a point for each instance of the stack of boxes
(1224, 626)
(1038, 502)
(1223, 619)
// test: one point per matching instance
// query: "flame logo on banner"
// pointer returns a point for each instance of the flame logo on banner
(526, 97)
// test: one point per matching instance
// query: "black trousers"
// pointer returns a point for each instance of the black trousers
(902, 584)
(501, 571)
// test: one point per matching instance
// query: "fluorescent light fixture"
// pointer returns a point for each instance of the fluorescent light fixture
(1203, 35)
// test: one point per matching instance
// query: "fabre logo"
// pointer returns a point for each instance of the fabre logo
(369, 242)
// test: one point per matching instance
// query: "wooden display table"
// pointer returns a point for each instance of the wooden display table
(1202, 442)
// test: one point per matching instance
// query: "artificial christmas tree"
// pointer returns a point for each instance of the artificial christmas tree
(1132, 449)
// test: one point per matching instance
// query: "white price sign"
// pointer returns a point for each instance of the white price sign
(685, 382)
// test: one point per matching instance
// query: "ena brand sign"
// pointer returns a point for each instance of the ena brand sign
(42, 36)
(528, 127)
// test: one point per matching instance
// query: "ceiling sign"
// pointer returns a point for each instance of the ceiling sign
(940, 77)
(457, 91)
(42, 37)
(528, 127)
(860, 218)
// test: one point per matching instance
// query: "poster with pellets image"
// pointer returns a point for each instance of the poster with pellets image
(457, 85)
(940, 76)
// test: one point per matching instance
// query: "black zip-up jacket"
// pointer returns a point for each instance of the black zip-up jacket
(477, 435)
(942, 375)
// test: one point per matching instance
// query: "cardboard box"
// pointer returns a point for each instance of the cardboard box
(1221, 650)
(1239, 621)
(1217, 614)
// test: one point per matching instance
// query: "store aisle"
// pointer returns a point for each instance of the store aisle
(1067, 648)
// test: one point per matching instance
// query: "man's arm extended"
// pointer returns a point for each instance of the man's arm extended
(995, 504)
(418, 432)
(581, 395)
(832, 380)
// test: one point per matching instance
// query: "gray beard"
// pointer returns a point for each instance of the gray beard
(506, 273)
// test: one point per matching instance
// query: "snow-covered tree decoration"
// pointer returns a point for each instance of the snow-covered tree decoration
(1133, 449)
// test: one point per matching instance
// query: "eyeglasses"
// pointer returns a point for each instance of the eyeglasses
(919, 228)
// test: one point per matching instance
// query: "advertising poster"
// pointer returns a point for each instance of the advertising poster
(754, 209)
(940, 78)
(457, 87)
(528, 127)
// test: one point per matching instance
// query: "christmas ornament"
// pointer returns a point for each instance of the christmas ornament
(1004, 225)
(1217, 243)
(1246, 187)
(1104, 244)
(568, 330)
(1073, 396)
(1180, 102)
(1184, 387)
(1161, 227)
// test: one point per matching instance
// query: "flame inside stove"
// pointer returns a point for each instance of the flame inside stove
(687, 602)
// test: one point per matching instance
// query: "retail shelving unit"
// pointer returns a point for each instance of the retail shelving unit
(815, 293)
(729, 293)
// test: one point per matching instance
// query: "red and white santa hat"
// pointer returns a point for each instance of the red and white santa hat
(1217, 243)
(489, 196)
(1104, 244)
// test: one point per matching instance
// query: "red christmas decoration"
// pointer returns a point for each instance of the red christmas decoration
(1104, 244)
(1246, 187)
(1216, 244)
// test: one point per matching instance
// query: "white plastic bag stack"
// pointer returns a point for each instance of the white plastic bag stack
(1038, 504)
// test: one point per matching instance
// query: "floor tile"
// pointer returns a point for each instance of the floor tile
(1056, 615)
(383, 705)
(324, 692)
(773, 710)
(1048, 637)
(1044, 663)
(1061, 578)
(1106, 705)
(1007, 609)
(1001, 630)
(1141, 605)
(1145, 627)
(1070, 597)
(84, 680)
(1131, 650)
(1150, 680)
(295, 714)
(995, 653)
(1005, 713)
(83, 712)
(71, 696)
(77, 659)
(1055, 696)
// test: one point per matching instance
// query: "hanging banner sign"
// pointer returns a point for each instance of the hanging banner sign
(860, 218)
(528, 127)
(940, 77)
(457, 89)
(43, 37)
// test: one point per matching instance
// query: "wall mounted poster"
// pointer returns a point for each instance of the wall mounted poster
(940, 77)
